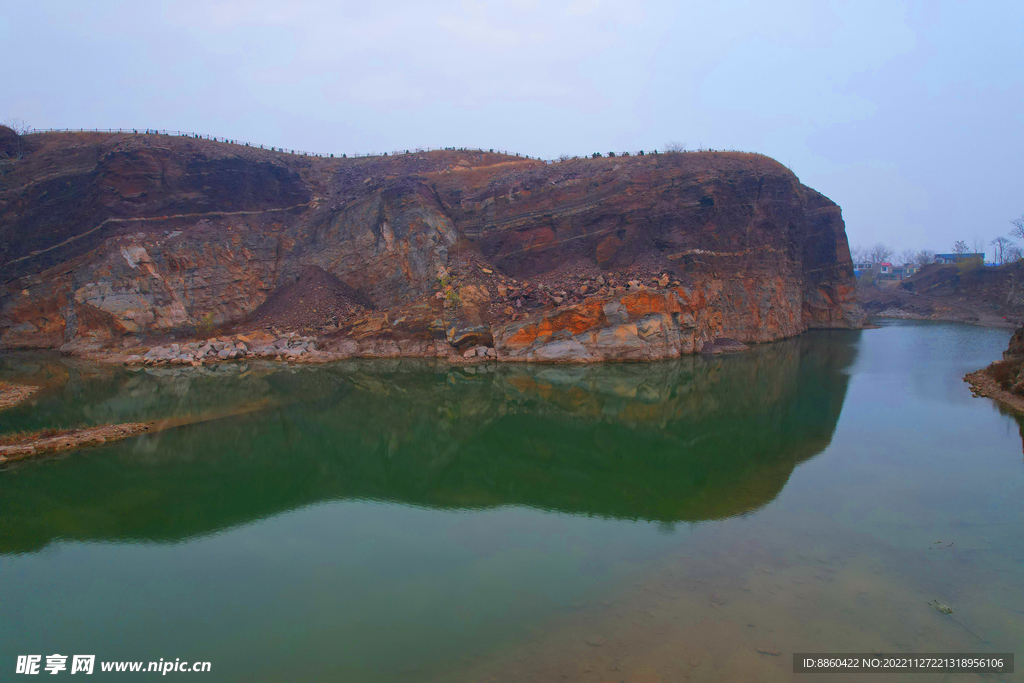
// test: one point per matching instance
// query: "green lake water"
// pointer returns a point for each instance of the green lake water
(410, 521)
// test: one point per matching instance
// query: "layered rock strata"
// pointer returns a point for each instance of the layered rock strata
(128, 242)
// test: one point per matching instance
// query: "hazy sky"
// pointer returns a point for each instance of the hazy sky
(909, 115)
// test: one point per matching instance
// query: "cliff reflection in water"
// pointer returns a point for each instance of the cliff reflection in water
(687, 440)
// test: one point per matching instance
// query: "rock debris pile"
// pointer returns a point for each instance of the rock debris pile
(238, 347)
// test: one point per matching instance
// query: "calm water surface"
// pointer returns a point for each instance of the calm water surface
(405, 521)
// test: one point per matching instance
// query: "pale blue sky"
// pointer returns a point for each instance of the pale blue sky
(909, 115)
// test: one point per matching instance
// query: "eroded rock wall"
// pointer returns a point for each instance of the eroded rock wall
(105, 239)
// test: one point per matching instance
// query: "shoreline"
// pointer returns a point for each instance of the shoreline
(982, 384)
(434, 350)
(324, 357)
(900, 314)
(899, 304)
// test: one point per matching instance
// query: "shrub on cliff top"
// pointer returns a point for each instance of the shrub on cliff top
(18, 126)
(11, 144)
(1004, 372)
(969, 265)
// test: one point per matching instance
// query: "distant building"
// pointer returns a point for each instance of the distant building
(956, 258)
(904, 271)
(885, 270)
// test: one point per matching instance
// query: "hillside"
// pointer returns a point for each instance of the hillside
(994, 288)
(115, 240)
(990, 295)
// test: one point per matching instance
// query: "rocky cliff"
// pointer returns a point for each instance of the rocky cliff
(117, 241)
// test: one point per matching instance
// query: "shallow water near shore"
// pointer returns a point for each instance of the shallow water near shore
(410, 521)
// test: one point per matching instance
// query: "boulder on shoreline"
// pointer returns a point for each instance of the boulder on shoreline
(228, 348)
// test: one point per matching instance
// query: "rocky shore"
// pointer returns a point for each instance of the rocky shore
(983, 384)
(1003, 381)
(619, 324)
(237, 347)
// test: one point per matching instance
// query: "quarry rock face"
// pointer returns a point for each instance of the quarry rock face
(113, 240)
